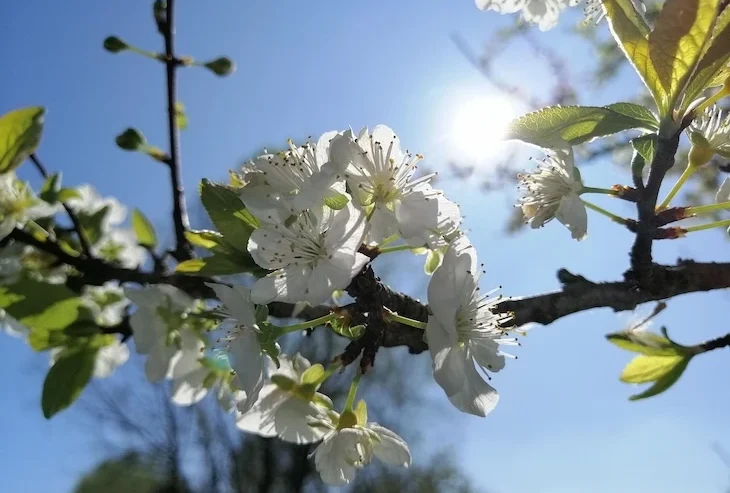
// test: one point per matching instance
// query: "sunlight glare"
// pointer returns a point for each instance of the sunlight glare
(479, 125)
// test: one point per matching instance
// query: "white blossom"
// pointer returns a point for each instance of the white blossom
(553, 191)
(463, 332)
(18, 204)
(107, 303)
(544, 13)
(287, 183)
(284, 406)
(108, 358)
(714, 127)
(312, 257)
(242, 343)
(89, 202)
(380, 176)
(344, 450)
(160, 328)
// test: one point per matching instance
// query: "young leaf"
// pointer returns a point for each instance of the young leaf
(94, 224)
(20, 134)
(217, 265)
(49, 190)
(228, 214)
(648, 368)
(675, 46)
(67, 378)
(181, 119)
(342, 327)
(143, 229)
(637, 112)
(210, 240)
(646, 146)
(554, 126)
(645, 343)
(712, 69)
(663, 383)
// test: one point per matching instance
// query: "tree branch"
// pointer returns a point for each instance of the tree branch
(83, 239)
(183, 250)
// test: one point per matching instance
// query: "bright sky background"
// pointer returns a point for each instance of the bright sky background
(564, 423)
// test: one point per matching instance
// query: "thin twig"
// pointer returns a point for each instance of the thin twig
(183, 250)
(83, 239)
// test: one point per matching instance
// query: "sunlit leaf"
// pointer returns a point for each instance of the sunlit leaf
(647, 343)
(40, 305)
(667, 380)
(648, 368)
(712, 69)
(205, 239)
(637, 112)
(554, 126)
(144, 230)
(217, 265)
(675, 46)
(646, 146)
(228, 214)
(20, 134)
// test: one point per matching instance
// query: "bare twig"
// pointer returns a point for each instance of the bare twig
(183, 250)
(83, 239)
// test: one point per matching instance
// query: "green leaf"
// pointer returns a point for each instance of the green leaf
(554, 126)
(67, 378)
(66, 194)
(217, 265)
(51, 187)
(181, 119)
(712, 69)
(131, 140)
(646, 146)
(228, 214)
(637, 112)
(283, 382)
(313, 374)
(663, 383)
(648, 368)
(93, 224)
(337, 201)
(433, 260)
(631, 33)
(39, 305)
(20, 135)
(210, 240)
(675, 45)
(643, 342)
(143, 229)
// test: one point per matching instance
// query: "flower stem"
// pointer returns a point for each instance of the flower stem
(716, 224)
(389, 239)
(701, 209)
(613, 217)
(306, 325)
(394, 317)
(689, 171)
(353, 392)
(395, 248)
(606, 191)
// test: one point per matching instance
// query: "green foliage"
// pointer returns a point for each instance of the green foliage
(113, 44)
(221, 66)
(39, 305)
(52, 192)
(342, 326)
(646, 146)
(637, 112)
(712, 68)
(93, 224)
(215, 265)
(675, 46)
(644, 342)
(20, 135)
(554, 126)
(130, 473)
(67, 378)
(131, 140)
(313, 375)
(144, 230)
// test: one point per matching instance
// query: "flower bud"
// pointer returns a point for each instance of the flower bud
(159, 10)
(112, 44)
(131, 140)
(221, 66)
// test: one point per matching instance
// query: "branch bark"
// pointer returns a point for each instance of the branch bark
(183, 250)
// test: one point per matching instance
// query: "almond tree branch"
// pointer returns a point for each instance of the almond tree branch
(83, 239)
(183, 249)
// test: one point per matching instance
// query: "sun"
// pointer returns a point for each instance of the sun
(479, 125)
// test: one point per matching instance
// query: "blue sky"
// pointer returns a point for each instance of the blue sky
(564, 423)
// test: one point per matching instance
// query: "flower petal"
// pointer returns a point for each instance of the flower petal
(391, 448)
(291, 421)
(477, 396)
(572, 213)
(237, 300)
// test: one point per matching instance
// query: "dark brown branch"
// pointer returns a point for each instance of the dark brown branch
(713, 344)
(581, 294)
(183, 250)
(83, 239)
